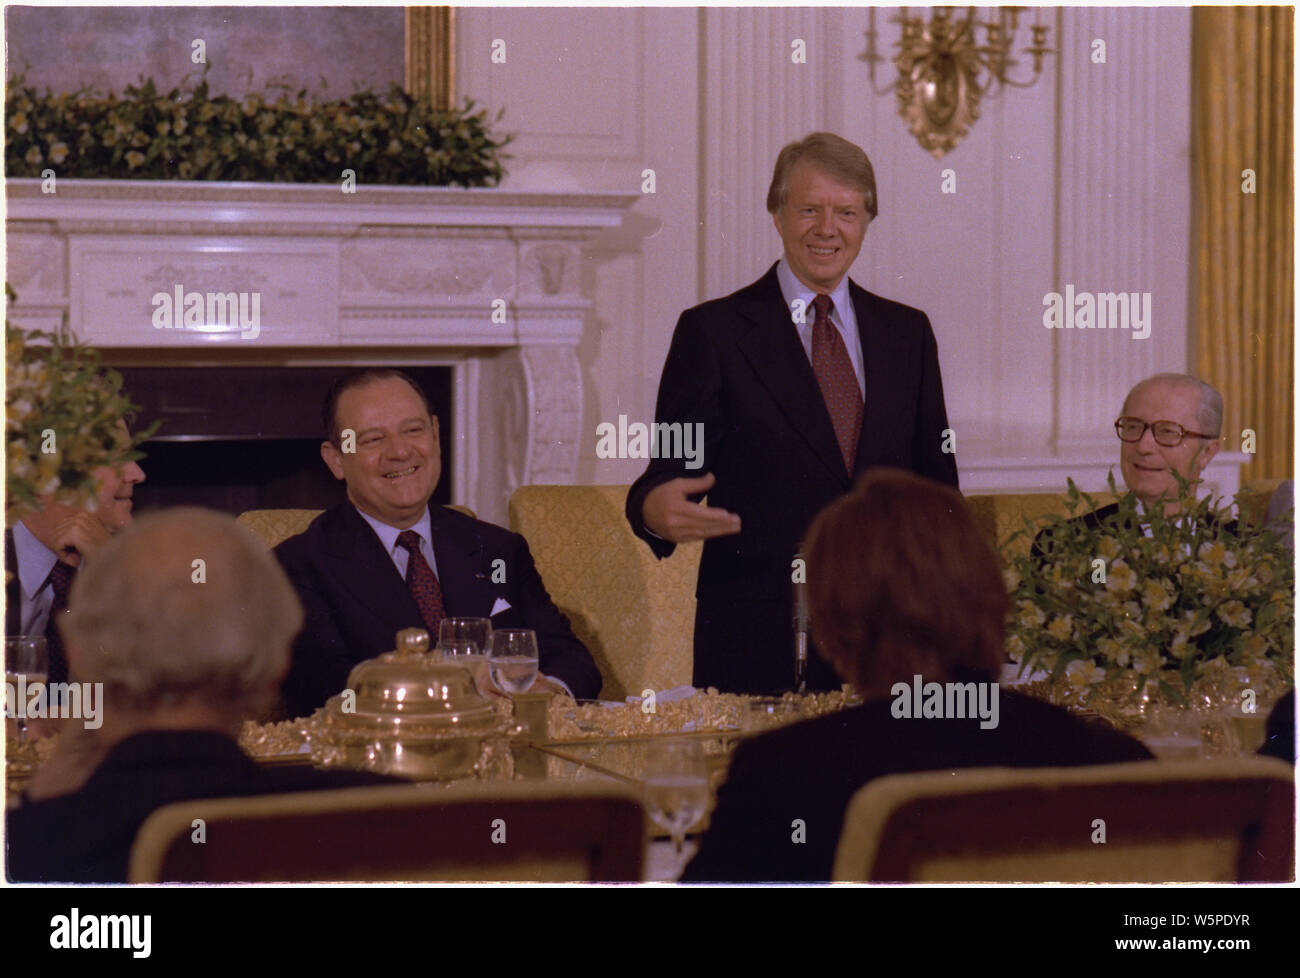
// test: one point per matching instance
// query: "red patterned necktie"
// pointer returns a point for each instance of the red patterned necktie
(60, 580)
(839, 384)
(423, 583)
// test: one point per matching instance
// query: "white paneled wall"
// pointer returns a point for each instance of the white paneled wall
(1083, 179)
(1124, 206)
(757, 97)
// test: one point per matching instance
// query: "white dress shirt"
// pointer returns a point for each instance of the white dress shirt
(402, 557)
(843, 318)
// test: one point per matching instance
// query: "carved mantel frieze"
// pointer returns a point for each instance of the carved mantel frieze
(485, 281)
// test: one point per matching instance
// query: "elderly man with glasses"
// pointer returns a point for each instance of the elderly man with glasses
(1170, 423)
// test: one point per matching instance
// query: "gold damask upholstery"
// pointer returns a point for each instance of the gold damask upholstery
(523, 831)
(274, 526)
(635, 613)
(1188, 821)
(999, 516)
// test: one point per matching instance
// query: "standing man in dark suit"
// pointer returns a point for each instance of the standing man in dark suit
(46, 547)
(386, 560)
(801, 380)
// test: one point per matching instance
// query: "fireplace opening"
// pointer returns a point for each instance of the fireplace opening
(240, 438)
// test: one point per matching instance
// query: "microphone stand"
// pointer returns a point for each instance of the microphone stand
(801, 624)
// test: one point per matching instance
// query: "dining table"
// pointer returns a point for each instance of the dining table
(555, 738)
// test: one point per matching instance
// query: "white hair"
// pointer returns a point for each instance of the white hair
(184, 604)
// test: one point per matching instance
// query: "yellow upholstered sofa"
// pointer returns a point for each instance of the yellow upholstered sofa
(634, 612)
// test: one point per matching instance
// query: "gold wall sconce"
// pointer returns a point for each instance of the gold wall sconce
(944, 72)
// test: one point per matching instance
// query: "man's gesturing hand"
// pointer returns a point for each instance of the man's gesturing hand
(668, 512)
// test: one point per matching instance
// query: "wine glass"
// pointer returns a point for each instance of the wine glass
(465, 636)
(466, 642)
(513, 659)
(27, 661)
(676, 785)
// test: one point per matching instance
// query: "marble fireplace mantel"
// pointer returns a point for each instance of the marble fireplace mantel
(486, 282)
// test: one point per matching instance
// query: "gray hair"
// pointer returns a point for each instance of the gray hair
(156, 626)
(836, 155)
(1209, 411)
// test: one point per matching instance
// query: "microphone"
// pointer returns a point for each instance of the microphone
(801, 624)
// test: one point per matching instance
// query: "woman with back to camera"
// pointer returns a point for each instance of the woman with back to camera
(902, 584)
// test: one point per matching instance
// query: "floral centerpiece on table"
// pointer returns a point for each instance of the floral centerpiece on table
(62, 414)
(1146, 599)
(270, 136)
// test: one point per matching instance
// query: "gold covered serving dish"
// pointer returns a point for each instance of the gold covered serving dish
(409, 713)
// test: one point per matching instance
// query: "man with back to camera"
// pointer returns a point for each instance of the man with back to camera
(386, 560)
(183, 664)
(802, 381)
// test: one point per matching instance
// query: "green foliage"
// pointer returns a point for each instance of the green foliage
(269, 136)
(1173, 597)
(58, 397)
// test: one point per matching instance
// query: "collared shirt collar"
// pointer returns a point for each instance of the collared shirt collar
(35, 561)
(843, 317)
(388, 537)
(792, 288)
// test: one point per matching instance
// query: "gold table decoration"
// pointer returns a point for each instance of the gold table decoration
(407, 713)
(1211, 709)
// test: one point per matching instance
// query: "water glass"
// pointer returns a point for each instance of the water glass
(27, 658)
(513, 659)
(676, 785)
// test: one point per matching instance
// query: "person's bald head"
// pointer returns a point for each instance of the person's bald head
(183, 605)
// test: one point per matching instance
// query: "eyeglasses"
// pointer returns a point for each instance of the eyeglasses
(1167, 433)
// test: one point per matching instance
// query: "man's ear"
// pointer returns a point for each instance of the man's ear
(332, 458)
(1210, 450)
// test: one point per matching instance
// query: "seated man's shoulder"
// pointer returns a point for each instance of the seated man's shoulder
(1090, 522)
(331, 521)
(490, 534)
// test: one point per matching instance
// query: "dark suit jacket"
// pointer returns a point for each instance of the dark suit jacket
(1279, 737)
(13, 592)
(356, 601)
(736, 365)
(811, 770)
(58, 664)
(1097, 520)
(86, 837)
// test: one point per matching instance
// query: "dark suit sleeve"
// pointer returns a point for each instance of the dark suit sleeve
(560, 653)
(321, 658)
(928, 458)
(690, 392)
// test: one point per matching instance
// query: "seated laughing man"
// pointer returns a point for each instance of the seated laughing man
(386, 560)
